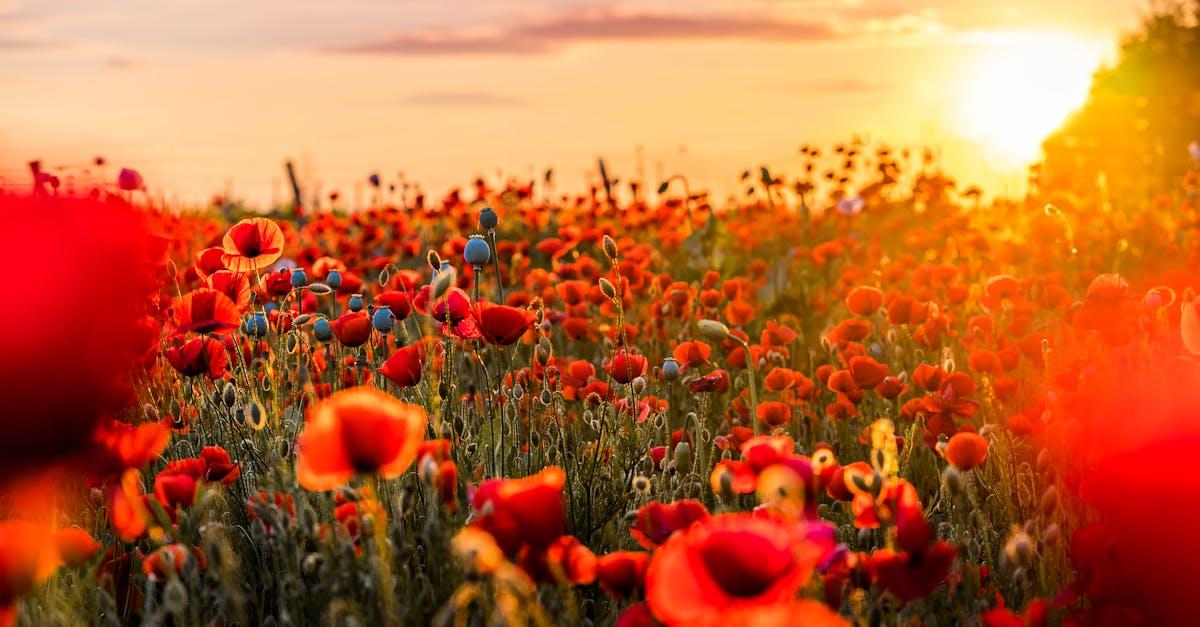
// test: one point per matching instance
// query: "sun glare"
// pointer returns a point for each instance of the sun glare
(1023, 86)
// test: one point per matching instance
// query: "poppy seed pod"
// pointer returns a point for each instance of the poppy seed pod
(477, 252)
(713, 330)
(322, 329)
(256, 324)
(299, 278)
(670, 369)
(488, 218)
(334, 279)
(356, 302)
(383, 319)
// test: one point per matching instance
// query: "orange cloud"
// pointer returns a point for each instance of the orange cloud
(559, 30)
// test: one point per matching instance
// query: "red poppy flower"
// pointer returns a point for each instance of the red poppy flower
(911, 576)
(358, 430)
(404, 366)
(352, 328)
(864, 301)
(396, 300)
(27, 558)
(205, 310)
(501, 324)
(715, 381)
(774, 413)
(565, 560)
(252, 244)
(966, 450)
(75, 546)
(730, 563)
(201, 355)
(622, 573)
(175, 490)
(522, 512)
(625, 366)
(235, 286)
(656, 521)
(210, 260)
(278, 283)
(867, 372)
(692, 354)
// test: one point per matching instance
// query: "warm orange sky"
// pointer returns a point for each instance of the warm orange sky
(201, 94)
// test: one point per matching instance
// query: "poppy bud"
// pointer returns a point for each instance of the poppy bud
(1051, 535)
(641, 484)
(322, 329)
(610, 247)
(1019, 549)
(434, 260)
(383, 319)
(334, 279)
(477, 252)
(670, 369)
(229, 395)
(518, 392)
(299, 278)
(639, 385)
(713, 330)
(953, 479)
(545, 397)
(356, 302)
(488, 218)
(129, 180)
(1049, 501)
(1043, 461)
(319, 289)
(606, 287)
(683, 457)
(443, 280)
(151, 412)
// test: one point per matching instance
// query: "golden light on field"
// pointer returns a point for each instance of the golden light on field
(1023, 86)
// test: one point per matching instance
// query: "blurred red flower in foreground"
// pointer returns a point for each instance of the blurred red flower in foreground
(731, 566)
(68, 363)
(359, 430)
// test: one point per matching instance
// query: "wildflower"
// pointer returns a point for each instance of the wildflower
(253, 244)
(129, 180)
(522, 512)
(197, 356)
(625, 366)
(352, 328)
(500, 324)
(357, 430)
(731, 563)
(206, 310)
(404, 366)
(911, 576)
(966, 450)
(656, 521)
(864, 301)
(622, 573)
(692, 354)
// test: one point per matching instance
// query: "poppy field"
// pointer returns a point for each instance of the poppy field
(905, 406)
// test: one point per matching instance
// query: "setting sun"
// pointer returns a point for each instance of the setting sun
(1023, 86)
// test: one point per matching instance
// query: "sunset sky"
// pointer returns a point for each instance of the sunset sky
(205, 95)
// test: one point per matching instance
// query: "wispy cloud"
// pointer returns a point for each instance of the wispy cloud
(559, 30)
